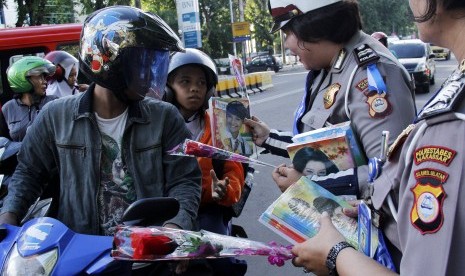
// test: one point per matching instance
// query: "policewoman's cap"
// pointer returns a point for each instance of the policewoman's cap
(283, 11)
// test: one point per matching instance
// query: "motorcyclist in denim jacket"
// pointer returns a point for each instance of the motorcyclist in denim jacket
(109, 144)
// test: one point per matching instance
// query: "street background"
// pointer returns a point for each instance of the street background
(276, 106)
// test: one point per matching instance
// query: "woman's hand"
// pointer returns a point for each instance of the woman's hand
(312, 254)
(260, 130)
(219, 187)
(285, 176)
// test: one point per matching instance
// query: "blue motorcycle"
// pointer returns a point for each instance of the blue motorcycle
(45, 246)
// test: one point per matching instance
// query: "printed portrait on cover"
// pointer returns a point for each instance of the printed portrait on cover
(230, 132)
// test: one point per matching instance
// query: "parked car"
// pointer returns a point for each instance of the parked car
(418, 58)
(264, 63)
(440, 52)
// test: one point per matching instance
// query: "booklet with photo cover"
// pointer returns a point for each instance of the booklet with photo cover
(337, 143)
(295, 214)
(229, 132)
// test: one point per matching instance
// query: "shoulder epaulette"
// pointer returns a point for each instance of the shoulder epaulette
(365, 55)
(446, 99)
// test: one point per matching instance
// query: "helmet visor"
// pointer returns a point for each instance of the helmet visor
(47, 69)
(145, 72)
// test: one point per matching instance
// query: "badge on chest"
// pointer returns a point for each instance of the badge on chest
(330, 95)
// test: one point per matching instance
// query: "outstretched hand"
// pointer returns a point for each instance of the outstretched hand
(219, 187)
(260, 130)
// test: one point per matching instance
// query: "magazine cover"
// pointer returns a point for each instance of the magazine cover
(334, 148)
(295, 214)
(229, 132)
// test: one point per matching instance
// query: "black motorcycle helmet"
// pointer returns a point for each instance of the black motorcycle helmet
(193, 57)
(123, 47)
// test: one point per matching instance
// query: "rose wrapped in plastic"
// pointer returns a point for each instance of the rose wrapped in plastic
(159, 243)
(197, 149)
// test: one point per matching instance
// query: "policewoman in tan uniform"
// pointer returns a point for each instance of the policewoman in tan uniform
(352, 78)
(421, 190)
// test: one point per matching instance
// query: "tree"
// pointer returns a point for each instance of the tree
(374, 16)
(257, 13)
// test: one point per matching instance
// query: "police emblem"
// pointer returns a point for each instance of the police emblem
(330, 95)
(426, 214)
(379, 104)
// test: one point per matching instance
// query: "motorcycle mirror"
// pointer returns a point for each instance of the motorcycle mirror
(151, 211)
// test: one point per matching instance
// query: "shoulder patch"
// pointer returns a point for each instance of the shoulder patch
(446, 99)
(365, 55)
(426, 214)
(441, 155)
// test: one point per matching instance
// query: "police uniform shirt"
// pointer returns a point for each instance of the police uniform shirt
(425, 178)
(397, 109)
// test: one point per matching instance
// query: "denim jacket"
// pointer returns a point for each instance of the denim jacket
(65, 137)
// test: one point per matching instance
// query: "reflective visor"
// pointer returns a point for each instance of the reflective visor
(145, 71)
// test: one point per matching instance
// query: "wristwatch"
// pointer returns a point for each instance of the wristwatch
(332, 255)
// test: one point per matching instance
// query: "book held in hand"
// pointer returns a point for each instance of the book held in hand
(335, 147)
(295, 214)
(229, 132)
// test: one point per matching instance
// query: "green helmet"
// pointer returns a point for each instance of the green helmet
(19, 72)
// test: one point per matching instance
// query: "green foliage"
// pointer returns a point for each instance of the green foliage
(257, 13)
(389, 16)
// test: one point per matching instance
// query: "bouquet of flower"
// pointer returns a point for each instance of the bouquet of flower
(159, 243)
(197, 149)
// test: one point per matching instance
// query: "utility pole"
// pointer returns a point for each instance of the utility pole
(241, 16)
(232, 21)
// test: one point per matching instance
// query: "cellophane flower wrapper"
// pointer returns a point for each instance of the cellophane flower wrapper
(197, 149)
(159, 243)
(236, 65)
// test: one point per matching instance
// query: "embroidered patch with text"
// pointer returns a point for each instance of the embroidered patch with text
(441, 155)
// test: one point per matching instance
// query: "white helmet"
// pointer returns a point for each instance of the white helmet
(284, 10)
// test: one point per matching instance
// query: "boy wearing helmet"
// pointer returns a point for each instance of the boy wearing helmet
(109, 143)
(27, 80)
(352, 77)
(64, 81)
(192, 82)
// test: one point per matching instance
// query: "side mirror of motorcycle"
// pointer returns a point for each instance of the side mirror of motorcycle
(151, 211)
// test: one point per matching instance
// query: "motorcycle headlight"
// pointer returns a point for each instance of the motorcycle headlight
(41, 264)
(421, 67)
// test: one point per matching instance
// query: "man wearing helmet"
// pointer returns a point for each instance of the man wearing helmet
(27, 80)
(64, 81)
(192, 82)
(109, 144)
(352, 78)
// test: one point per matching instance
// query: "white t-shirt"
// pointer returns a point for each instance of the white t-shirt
(116, 189)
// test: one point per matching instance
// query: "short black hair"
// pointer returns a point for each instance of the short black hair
(238, 109)
(305, 154)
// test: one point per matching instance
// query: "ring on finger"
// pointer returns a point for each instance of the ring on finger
(306, 270)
